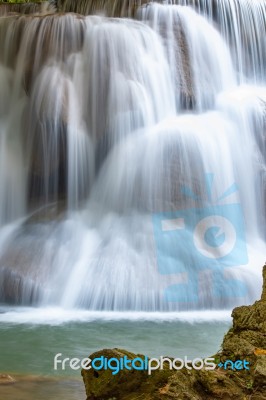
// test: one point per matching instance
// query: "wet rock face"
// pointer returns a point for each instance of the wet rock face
(246, 340)
(24, 271)
(16, 289)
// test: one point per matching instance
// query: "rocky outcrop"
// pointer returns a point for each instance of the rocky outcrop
(246, 340)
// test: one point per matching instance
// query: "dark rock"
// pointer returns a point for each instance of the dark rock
(16, 288)
(24, 271)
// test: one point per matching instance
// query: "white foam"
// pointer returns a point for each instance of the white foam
(59, 316)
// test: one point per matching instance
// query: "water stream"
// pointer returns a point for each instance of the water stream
(106, 125)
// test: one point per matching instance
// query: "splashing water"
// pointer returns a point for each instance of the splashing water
(190, 40)
(107, 125)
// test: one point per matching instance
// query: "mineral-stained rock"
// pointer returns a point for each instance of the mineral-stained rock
(246, 340)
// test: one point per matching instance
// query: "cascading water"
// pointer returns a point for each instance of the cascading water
(117, 8)
(28, 8)
(190, 40)
(241, 23)
(111, 125)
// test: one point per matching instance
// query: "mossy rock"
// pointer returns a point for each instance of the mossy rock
(125, 385)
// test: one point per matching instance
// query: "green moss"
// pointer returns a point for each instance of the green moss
(249, 385)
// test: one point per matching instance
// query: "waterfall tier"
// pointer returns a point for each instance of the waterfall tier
(132, 155)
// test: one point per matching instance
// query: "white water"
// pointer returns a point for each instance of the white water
(57, 316)
(188, 34)
(103, 122)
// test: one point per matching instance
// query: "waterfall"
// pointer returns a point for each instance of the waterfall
(201, 65)
(241, 23)
(28, 8)
(130, 148)
(117, 8)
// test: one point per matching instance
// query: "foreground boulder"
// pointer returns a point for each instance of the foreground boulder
(246, 340)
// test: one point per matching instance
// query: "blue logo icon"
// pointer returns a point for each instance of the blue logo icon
(237, 365)
(193, 241)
